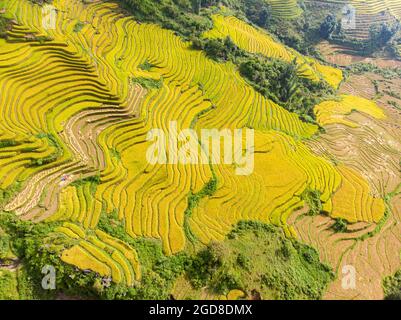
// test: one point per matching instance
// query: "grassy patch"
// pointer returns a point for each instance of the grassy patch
(183, 16)
(193, 201)
(78, 26)
(4, 24)
(94, 181)
(7, 143)
(256, 256)
(7, 193)
(5, 247)
(340, 226)
(115, 154)
(312, 199)
(8, 285)
(362, 68)
(146, 66)
(148, 83)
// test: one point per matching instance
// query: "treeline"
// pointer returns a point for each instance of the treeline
(387, 73)
(258, 259)
(277, 80)
(190, 18)
(182, 16)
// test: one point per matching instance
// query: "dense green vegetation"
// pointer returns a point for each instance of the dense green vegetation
(381, 36)
(37, 246)
(340, 225)
(392, 286)
(93, 182)
(148, 83)
(256, 256)
(146, 65)
(7, 143)
(329, 26)
(301, 34)
(4, 23)
(387, 73)
(312, 199)
(8, 285)
(182, 16)
(5, 245)
(7, 193)
(280, 81)
(190, 18)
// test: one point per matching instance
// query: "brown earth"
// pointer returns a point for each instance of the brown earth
(374, 150)
(342, 56)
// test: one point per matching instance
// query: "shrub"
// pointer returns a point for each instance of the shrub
(340, 225)
(328, 26)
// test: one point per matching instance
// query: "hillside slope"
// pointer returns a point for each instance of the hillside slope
(79, 98)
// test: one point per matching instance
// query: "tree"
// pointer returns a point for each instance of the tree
(218, 49)
(4, 25)
(258, 11)
(328, 26)
(381, 34)
(196, 5)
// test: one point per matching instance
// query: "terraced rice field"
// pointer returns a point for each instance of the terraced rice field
(74, 125)
(377, 6)
(370, 150)
(369, 6)
(329, 112)
(288, 9)
(101, 253)
(258, 41)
